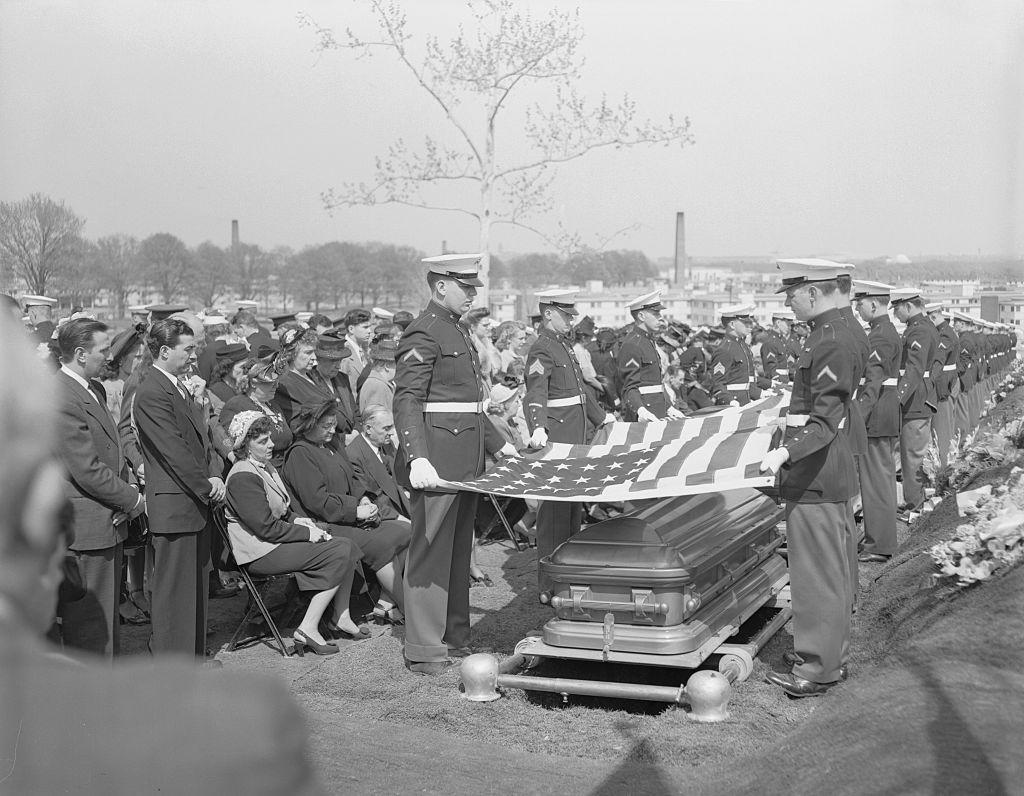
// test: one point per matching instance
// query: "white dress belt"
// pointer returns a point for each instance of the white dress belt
(799, 421)
(948, 368)
(559, 402)
(745, 386)
(647, 389)
(474, 407)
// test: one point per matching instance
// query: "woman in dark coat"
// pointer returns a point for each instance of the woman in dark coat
(326, 487)
(257, 389)
(296, 388)
(271, 539)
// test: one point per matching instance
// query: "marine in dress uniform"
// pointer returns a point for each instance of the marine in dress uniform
(731, 371)
(947, 385)
(640, 372)
(775, 348)
(817, 482)
(880, 409)
(40, 314)
(558, 408)
(916, 391)
(967, 371)
(443, 432)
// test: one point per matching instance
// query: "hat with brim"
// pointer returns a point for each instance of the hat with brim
(585, 326)
(737, 312)
(303, 317)
(501, 393)
(161, 312)
(331, 346)
(38, 301)
(403, 318)
(463, 268)
(122, 343)
(901, 295)
(230, 352)
(862, 288)
(246, 304)
(384, 350)
(934, 306)
(138, 309)
(280, 320)
(783, 315)
(564, 300)
(810, 269)
(648, 301)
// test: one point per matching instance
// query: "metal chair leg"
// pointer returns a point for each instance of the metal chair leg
(504, 521)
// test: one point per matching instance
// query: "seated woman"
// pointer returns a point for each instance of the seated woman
(229, 370)
(257, 388)
(271, 539)
(326, 487)
(297, 388)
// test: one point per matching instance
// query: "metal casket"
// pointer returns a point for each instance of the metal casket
(668, 578)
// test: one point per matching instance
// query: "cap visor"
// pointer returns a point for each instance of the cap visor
(469, 281)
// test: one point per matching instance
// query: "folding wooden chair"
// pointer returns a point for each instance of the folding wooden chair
(256, 602)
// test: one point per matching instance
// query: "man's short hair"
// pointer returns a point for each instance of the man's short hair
(356, 317)
(244, 318)
(77, 334)
(372, 411)
(319, 320)
(167, 332)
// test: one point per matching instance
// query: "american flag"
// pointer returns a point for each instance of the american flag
(631, 461)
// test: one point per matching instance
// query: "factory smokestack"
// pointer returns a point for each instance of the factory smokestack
(234, 233)
(680, 264)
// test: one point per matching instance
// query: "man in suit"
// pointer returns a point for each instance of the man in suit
(87, 729)
(358, 330)
(97, 486)
(373, 458)
(181, 484)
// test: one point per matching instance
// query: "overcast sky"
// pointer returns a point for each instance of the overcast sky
(845, 128)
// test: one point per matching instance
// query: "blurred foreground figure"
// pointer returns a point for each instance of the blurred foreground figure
(69, 728)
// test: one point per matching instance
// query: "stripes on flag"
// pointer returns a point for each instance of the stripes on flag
(631, 461)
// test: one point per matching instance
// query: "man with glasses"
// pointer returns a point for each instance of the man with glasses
(443, 433)
(643, 384)
(558, 408)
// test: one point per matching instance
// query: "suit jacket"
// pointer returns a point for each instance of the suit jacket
(146, 727)
(374, 475)
(376, 390)
(97, 475)
(178, 454)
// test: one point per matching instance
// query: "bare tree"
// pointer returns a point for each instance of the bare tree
(210, 275)
(117, 268)
(38, 238)
(470, 80)
(167, 264)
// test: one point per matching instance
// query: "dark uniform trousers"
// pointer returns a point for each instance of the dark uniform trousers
(180, 581)
(553, 375)
(878, 495)
(942, 426)
(915, 436)
(92, 623)
(817, 535)
(437, 574)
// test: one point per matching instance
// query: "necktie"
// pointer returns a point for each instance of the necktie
(386, 460)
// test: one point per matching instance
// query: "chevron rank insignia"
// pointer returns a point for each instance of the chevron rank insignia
(633, 363)
(413, 354)
(719, 368)
(916, 345)
(943, 345)
(537, 367)
(876, 356)
(827, 371)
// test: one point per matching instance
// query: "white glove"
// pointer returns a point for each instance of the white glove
(675, 414)
(539, 438)
(734, 402)
(508, 449)
(422, 474)
(774, 459)
(645, 415)
(608, 418)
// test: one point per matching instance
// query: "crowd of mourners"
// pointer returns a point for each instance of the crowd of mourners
(290, 433)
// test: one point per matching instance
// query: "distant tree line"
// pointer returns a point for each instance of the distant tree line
(43, 251)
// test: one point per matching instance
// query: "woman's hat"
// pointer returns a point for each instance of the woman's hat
(332, 346)
(384, 349)
(240, 425)
(230, 352)
(500, 393)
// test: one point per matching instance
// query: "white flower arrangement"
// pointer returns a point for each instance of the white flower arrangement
(992, 544)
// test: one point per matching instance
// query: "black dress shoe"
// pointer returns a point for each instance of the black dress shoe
(428, 668)
(872, 558)
(797, 686)
(792, 658)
